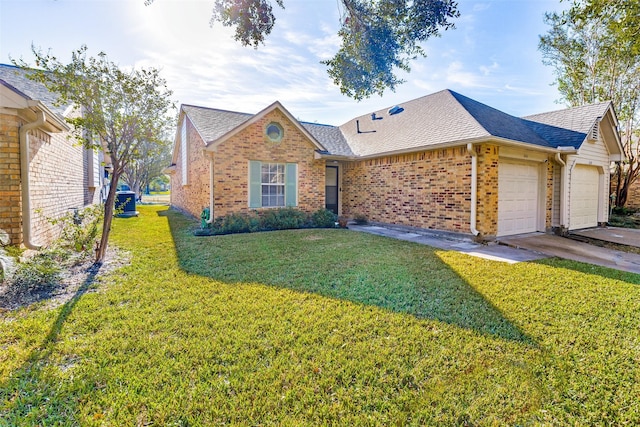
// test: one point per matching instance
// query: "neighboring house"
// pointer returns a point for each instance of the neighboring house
(443, 162)
(44, 172)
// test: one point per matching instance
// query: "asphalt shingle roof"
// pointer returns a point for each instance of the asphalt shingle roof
(568, 127)
(445, 117)
(16, 79)
(212, 123)
(329, 137)
(441, 118)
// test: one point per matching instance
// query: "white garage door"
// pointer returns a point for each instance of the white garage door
(518, 197)
(583, 211)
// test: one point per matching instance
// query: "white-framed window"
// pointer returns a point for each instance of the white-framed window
(184, 150)
(272, 184)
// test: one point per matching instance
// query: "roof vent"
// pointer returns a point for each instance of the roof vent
(396, 110)
(595, 132)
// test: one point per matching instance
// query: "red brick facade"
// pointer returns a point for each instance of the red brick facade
(10, 201)
(231, 168)
(58, 180)
(430, 189)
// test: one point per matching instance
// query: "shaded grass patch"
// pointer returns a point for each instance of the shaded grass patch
(181, 338)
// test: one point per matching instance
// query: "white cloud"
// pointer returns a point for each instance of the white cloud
(486, 70)
(456, 74)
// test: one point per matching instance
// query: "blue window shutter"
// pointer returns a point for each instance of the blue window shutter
(291, 185)
(255, 184)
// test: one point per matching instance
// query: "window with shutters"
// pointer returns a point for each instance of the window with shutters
(272, 184)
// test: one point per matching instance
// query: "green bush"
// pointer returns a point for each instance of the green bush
(39, 273)
(236, 223)
(323, 218)
(283, 219)
(80, 228)
(622, 210)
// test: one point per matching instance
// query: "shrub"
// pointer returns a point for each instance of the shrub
(39, 273)
(622, 210)
(323, 218)
(283, 219)
(236, 223)
(80, 228)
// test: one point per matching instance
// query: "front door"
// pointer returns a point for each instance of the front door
(331, 189)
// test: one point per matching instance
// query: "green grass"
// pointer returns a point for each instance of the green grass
(324, 327)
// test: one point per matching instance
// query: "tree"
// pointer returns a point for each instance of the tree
(595, 50)
(119, 111)
(378, 37)
(151, 159)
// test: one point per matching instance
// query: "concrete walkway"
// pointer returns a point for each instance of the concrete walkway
(622, 236)
(563, 247)
(524, 247)
(453, 243)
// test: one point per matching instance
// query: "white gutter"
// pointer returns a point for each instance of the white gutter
(474, 188)
(24, 182)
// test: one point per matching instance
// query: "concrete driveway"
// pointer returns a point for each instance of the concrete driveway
(563, 247)
(525, 247)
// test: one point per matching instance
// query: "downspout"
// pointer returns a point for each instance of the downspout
(474, 189)
(24, 181)
(210, 188)
(563, 193)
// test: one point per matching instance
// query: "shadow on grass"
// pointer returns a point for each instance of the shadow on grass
(27, 381)
(399, 276)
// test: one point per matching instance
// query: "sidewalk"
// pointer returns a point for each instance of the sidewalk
(458, 243)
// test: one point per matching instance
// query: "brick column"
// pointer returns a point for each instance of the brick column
(10, 201)
(487, 215)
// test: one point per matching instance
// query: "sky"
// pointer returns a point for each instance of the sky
(491, 56)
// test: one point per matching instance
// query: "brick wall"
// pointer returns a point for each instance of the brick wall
(231, 168)
(487, 210)
(430, 189)
(191, 198)
(10, 202)
(57, 180)
(633, 198)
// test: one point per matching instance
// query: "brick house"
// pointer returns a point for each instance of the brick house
(43, 172)
(443, 162)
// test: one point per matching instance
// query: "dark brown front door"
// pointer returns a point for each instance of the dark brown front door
(331, 189)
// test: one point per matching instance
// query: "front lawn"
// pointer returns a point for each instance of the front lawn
(324, 327)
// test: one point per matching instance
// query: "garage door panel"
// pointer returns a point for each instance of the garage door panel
(583, 210)
(518, 196)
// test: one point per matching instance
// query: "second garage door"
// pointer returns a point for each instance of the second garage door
(518, 196)
(583, 209)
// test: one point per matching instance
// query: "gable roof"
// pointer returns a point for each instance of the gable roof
(217, 126)
(572, 125)
(578, 119)
(212, 123)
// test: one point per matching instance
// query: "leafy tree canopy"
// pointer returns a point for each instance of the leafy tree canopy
(379, 37)
(594, 49)
(117, 111)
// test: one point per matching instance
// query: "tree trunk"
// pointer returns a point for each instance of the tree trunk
(108, 218)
